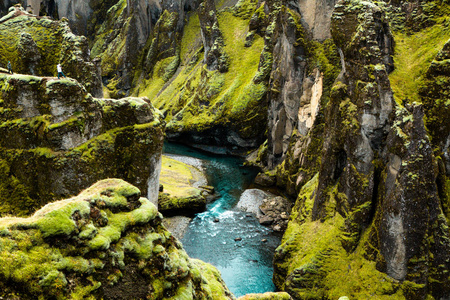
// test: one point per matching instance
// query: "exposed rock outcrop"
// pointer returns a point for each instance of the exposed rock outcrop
(435, 95)
(411, 231)
(358, 116)
(275, 212)
(56, 139)
(300, 74)
(252, 199)
(375, 204)
(182, 193)
(286, 81)
(317, 17)
(215, 56)
(36, 45)
(108, 242)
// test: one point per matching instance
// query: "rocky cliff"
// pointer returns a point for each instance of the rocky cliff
(56, 139)
(35, 45)
(374, 215)
(107, 242)
(346, 102)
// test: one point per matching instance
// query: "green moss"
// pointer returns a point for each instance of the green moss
(191, 38)
(162, 72)
(47, 35)
(215, 288)
(413, 55)
(110, 51)
(316, 265)
(117, 223)
(60, 221)
(267, 296)
(245, 8)
(43, 260)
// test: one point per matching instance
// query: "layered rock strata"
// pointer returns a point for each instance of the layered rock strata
(56, 139)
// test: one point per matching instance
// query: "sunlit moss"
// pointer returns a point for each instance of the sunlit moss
(412, 57)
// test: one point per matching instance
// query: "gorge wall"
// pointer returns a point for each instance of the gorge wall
(345, 101)
(56, 138)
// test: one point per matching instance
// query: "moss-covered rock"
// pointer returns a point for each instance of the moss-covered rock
(267, 296)
(108, 242)
(129, 56)
(372, 222)
(56, 139)
(412, 236)
(215, 56)
(182, 193)
(35, 45)
(206, 106)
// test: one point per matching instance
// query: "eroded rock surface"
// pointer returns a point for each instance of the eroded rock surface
(275, 212)
(56, 139)
(377, 202)
(35, 45)
(108, 242)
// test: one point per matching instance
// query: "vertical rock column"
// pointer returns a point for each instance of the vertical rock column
(357, 117)
(286, 81)
(413, 232)
(215, 56)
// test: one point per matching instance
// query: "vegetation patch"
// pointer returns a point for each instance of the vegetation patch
(107, 241)
(315, 264)
(198, 99)
(414, 53)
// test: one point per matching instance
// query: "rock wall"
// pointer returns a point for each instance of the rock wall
(36, 45)
(286, 82)
(215, 56)
(57, 139)
(375, 212)
(109, 243)
(317, 17)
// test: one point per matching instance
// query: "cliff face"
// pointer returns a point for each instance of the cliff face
(56, 139)
(108, 242)
(347, 101)
(36, 45)
(376, 208)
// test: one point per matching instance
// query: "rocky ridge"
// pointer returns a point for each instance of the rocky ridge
(108, 242)
(57, 139)
(35, 45)
(377, 173)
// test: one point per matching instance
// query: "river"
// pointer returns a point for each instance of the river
(246, 264)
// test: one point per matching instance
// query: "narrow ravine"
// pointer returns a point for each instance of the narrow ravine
(246, 264)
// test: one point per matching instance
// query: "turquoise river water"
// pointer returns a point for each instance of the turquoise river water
(246, 265)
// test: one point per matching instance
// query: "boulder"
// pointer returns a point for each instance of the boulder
(251, 199)
(265, 180)
(275, 212)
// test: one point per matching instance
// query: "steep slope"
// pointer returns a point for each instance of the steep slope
(35, 45)
(214, 107)
(56, 139)
(372, 221)
(108, 242)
